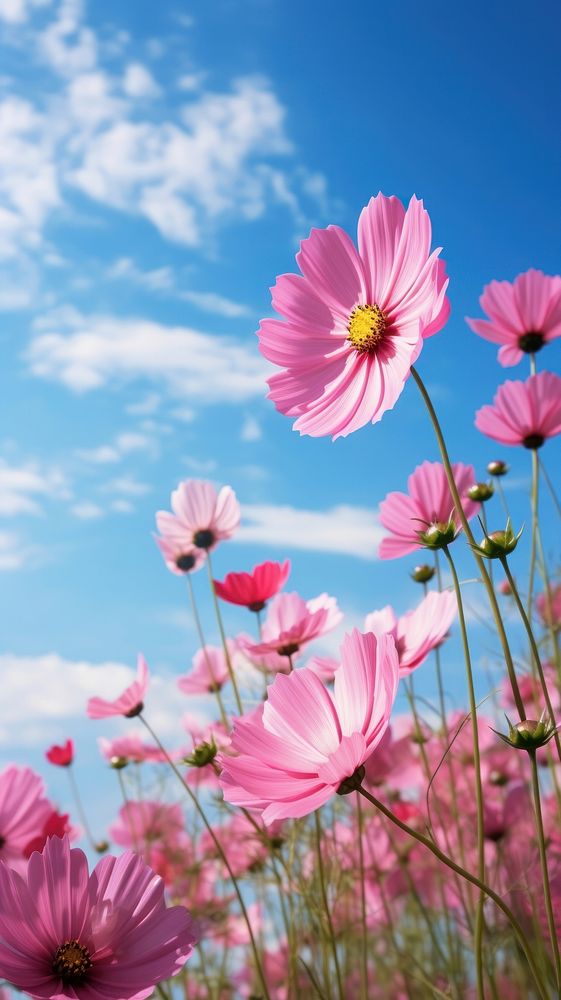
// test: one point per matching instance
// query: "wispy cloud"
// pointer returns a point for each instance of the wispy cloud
(347, 530)
(23, 488)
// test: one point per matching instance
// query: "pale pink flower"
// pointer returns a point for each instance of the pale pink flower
(108, 935)
(417, 632)
(523, 316)
(253, 590)
(130, 748)
(323, 666)
(201, 518)
(292, 622)
(548, 606)
(210, 670)
(524, 413)
(354, 321)
(129, 703)
(305, 744)
(428, 501)
(24, 811)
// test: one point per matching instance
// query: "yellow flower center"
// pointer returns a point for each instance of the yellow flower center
(367, 325)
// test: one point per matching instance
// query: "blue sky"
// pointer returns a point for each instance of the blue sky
(158, 165)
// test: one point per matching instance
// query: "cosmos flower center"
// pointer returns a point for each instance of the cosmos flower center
(533, 441)
(204, 539)
(185, 562)
(531, 341)
(367, 325)
(72, 963)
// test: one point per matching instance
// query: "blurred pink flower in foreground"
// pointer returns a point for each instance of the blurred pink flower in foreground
(108, 935)
(523, 316)
(253, 590)
(524, 413)
(62, 756)
(354, 321)
(417, 632)
(305, 744)
(210, 670)
(427, 502)
(129, 703)
(201, 518)
(24, 811)
(292, 622)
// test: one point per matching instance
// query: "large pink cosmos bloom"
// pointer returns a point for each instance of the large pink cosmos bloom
(104, 936)
(428, 501)
(523, 316)
(305, 744)
(417, 632)
(253, 590)
(24, 811)
(524, 413)
(292, 622)
(201, 518)
(129, 703)
(354, 322)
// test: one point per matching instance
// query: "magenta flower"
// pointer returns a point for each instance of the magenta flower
(524, 413)
(253, 590)
(523, 316)
(354, 321)
(129, 703)
(292, 622)
(104, 936)
(62, 756)
(201, 518)
(24, 811)
(210, 670)
(418, 632)
(428, 502)
(305, 744)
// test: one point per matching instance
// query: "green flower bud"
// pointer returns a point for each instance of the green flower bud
(438, 534)
(499, 544)
(480, 492)
(202, 755)
(422, 573)
(118, 763)
(497, 468)
(529, 734)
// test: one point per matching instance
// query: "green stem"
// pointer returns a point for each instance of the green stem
(198, 626)
(543, 865)
(223, 636)
(450, 863)
(221, 853)
(80, 807)
(550, 486)
(325, 901)
(478, 930)
(364, 941)
(535, 499)
(469, 535)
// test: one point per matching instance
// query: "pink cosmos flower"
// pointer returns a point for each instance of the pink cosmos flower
(210, 670)
(417, 632)
(253, 590)
(305, 744)
(62, 756)
(523, 412)
(201, 518)
(108, 935)
(56, 825)
(129, 703)
(292, 622)
(24, 811)
(354, 321)
(549, 607)
(427, 502)
(523, 316)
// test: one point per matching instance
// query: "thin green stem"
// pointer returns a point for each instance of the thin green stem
(80, 808)
(223, 636)
(471, 540)
(198, 626)
(550, 486)
(364, 935)
(478, 930)
(450, 863)
(221, 853)
(534, 501)
(543, 865)
(326, 908)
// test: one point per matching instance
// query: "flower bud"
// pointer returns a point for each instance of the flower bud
(422, 573)
(499, 544)
(202, 755)
(529, 734)
(438, 534)
(480, 492)
(497, 468)
(101, 846)
(118, 763)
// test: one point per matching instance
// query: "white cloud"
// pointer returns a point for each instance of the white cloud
(13, 554)
(158, 280)
(127, 486)
(43, 694)
(24, 487)
(251, 429)
(18, 11)
(191, 81)
(217, 304)
(86, 511)
(124, 444)
(66, 45)
(139, 82)
(343, 529)
(85, 353)
(146, 406)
